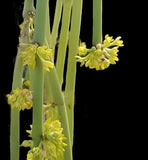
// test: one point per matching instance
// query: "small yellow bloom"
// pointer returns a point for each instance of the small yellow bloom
(20, 99)
(109, 41)
(29, 56)
(82, 49)
(34, 154)
(44, 54)
(27, 143)
(26, 84)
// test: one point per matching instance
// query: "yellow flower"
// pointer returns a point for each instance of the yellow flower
(109, 41)
(82, 49)
(20, 99)
(111, 54)
(29, 56)
(34, 154)
(44, 54)
(53, 139)
(26, 84)
(102, 56)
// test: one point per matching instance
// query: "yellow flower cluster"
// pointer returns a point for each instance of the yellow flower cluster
(53, 139)
(30, 53)
(51, 145)
(34, 154)
(101, 56)
(20, 99)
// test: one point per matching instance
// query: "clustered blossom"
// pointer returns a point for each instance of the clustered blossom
(101, 56)
(53, 139)
(51, 145)
(20, 99)
(29, 56)
(34, 154)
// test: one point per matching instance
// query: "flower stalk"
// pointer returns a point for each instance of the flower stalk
(55, 28)
(71, 68)
(14, 121)
(58, 99)
(97, 22)
(37, 73)
(67, 4)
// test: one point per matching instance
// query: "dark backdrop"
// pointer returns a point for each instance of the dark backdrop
(106, 116)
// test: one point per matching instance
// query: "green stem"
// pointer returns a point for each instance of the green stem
(63, 39)
(55, 27)
(59, 100)
(37, 74)
(97, 22)
(48, 91)
(40, 28)
(17, 82)
(37, 87)
(71, 68)
(48, 36)
(14, 123)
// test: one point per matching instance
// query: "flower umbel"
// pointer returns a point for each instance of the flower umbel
(30, 53)
(53, 139)
(101, 56)
(20, 99)
(51, 145)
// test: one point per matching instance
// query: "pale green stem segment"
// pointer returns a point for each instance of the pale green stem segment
(97, 22)
(48, 36)
(63, 39)
(37, 87)
(14, 123)
(71, 68)
(58, 99)
(55, 27)
(17, 82)
(40, 29)
(37, 74)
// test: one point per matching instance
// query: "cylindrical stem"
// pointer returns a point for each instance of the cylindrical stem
(58, 99)
(14, 123)
(71, 69)
(55, 27)
(97, 22)
(40, 22)
(63, 39)
(37, 74)
(37, 87)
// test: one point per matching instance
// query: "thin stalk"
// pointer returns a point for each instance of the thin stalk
(58, 99)
(97, 22)
(37, 87)
(17, 82)
(48, 91)
(55, 27)
(37, 74)
(48, 36)
(63, 39)
(40, 22)
(15, 114)
(71, 68)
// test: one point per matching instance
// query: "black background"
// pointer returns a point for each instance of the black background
(107, 115)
